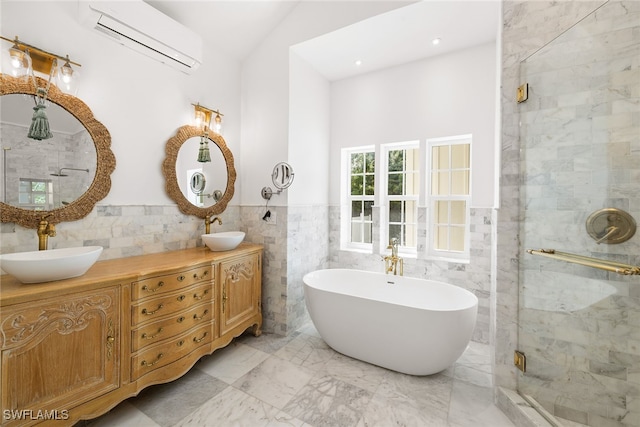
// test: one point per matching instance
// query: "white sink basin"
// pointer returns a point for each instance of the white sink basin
(54, 264)
(224, 241)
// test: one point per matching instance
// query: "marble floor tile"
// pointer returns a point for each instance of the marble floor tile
(274, 381)
(169, 403)
(472, 405)
(123, 415)
(327, 401)
(232, 407)
(355, 372)
(299, 381)
(269, 343)
(232, 362)
(308, 351)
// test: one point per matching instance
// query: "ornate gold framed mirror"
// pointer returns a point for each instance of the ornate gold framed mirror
(218, 176)
(68, 210)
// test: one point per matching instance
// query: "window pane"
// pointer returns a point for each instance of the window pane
(395, 231)
(357, 163)
(412, 183)
(370, 158)
(367, 211)
(440, 157)
(441, 238)
(395, 184)
(396, 160)
(356, 185)
(460, 156)
(356, 232)
(411, 161)
(440, 183)
(411, 234)
(356, 209)
(460, 182)
(368, 234)
(458, 211)
(39, 199)
(441, 214)
(456, 242)
(370, 182)
(395, 211)
(410, 211)
(38, 186)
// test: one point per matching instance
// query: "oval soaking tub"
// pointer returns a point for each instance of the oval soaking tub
(409, 325)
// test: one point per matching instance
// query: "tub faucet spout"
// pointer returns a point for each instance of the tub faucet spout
(393, 261)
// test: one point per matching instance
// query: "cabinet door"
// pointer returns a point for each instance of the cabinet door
(240, 279)
(60, 352)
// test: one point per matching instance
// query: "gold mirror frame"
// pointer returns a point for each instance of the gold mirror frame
(171, 180)
(105, 159)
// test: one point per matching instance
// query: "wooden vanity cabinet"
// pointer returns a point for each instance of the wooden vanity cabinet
(240, 287)
(73, 349)
(58, 353)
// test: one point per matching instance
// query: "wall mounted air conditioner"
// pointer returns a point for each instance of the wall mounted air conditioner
(141, 27)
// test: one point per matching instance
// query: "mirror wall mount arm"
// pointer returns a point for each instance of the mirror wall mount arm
(105, 159)
(602, 264)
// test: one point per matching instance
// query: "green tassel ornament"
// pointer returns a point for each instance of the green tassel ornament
(39, 128)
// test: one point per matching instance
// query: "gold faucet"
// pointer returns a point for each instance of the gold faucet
(207, 223)
(45, 229)
(392, 261)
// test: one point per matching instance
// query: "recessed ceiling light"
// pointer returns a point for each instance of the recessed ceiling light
(358, 62)
(436, 41)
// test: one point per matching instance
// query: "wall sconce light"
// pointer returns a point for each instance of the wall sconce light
(203, 117)
(23, 60)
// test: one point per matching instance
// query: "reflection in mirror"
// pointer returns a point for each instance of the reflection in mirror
(54, 182)
(181, 164)
(43, 175)
(214, 172)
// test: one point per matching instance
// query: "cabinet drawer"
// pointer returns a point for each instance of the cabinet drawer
(170, 350)
(168, 327)
(169, 282)
(164, 305)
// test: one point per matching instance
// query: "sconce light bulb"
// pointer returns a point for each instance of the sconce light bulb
(218, 123)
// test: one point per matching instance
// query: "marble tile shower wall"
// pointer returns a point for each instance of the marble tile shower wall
(526, 27)
(581, 152)
(474, 276)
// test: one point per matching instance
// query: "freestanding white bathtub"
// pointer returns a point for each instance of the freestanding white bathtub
(409, 325)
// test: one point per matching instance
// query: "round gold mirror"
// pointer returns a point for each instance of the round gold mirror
(47, 177)
(213, 186)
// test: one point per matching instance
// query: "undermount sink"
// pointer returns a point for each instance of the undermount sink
(223, 241)
(47, 266)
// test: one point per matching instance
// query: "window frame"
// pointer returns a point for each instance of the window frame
(432, 251)
(386, 199)
(347, 199)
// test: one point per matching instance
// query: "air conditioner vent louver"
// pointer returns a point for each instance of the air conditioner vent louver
(139, 26)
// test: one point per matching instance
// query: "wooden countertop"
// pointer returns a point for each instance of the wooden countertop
(115, 271)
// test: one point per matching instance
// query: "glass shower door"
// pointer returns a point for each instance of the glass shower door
(579, 326)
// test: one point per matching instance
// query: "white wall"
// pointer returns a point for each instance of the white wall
(142, 102)
(451, 94)
(265, 90)
(309, 134)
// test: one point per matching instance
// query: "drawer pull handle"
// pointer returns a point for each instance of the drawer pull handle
(199, 297)
(204, 274)
(146, 288)
(200, 339)
(150, 337)
(181, 278)
(145, 363)
(180, 319)
(180, 343)
(195, 316)
(181, 298)
(149, 313)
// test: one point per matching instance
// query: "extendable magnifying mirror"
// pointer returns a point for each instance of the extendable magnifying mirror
(282, 178)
